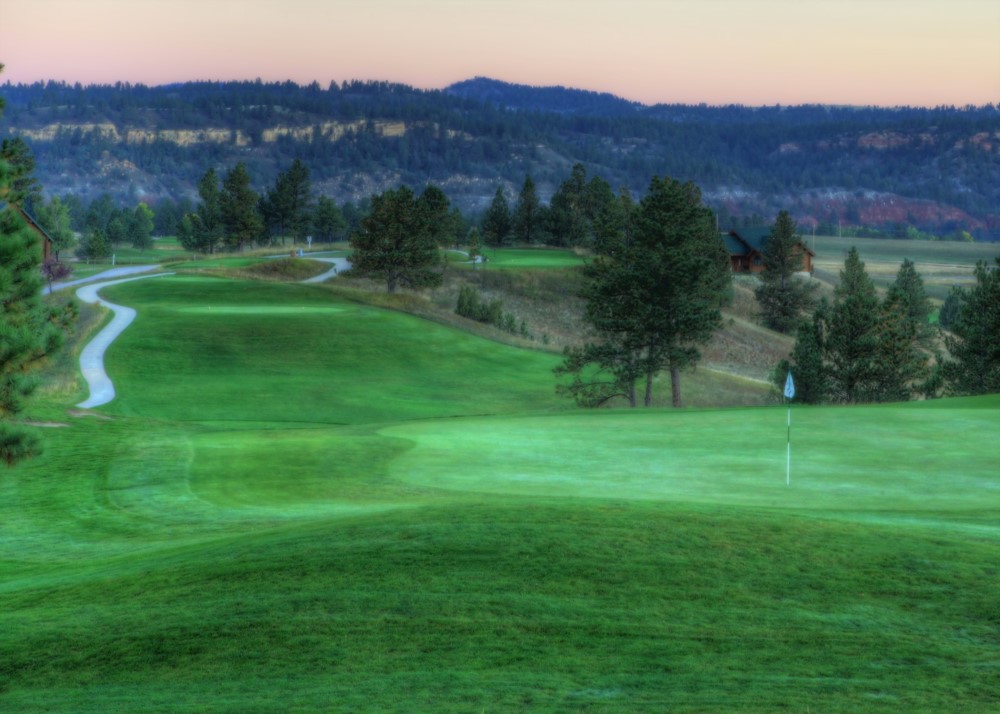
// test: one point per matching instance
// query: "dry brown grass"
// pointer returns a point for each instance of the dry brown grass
(736, 362)
(281, 270)
(545, 300)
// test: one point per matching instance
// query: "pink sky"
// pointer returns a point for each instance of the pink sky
(886, 52)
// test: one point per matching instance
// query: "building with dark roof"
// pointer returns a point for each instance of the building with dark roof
(745, 247)
(44, 239)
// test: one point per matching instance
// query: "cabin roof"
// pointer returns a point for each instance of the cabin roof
(28, 218)
(748, 240)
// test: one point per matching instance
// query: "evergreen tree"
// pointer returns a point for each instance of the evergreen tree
(951, 309)
(202, 230)
(782, 296)
(974, 341)
(99, 213)
(496, 222)
(77, 212)
(23, 189)
(652, 301)
(568, 221)
(525, 220)
(852, 336)
(328, 221)
(287, 207)
(908, 289)
(901, 367)
(812, 384)
(613, 226)
(28, 330)
(396, 242)
(94, 246)
(117, 230)
(241, 220)
(141, 227)
(434, 203)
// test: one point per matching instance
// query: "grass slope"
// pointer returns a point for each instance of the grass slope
(303, 504)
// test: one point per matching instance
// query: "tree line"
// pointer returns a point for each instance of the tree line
(861, 348)
(495, 134)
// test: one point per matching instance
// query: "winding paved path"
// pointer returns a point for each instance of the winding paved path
(337, 263)
(101, 388)
(112, 273)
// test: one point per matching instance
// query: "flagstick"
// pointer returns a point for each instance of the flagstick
(789, 396)
(788, 463)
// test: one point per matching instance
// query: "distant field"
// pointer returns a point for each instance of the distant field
(301, 503)
(940, 263)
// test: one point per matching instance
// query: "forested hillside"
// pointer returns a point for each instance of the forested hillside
(934, 169)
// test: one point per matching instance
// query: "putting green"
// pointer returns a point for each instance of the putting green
(859, 460)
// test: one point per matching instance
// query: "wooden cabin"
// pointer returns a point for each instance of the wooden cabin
(745, 247)
(44, 238)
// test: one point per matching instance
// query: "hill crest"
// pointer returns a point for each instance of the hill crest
(938, 169)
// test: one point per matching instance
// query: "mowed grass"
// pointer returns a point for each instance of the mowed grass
(521, 258)
(208, 349)
(228, 541)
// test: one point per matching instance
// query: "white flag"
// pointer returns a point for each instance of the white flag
(789, 386)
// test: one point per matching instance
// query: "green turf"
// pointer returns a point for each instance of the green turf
(297, 503)
(305, 357)
(520, 258)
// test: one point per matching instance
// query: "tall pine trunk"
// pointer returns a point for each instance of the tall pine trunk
(675, 385)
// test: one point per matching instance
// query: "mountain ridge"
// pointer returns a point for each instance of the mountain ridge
(937, 169)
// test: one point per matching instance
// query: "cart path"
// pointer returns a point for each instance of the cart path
(101, 388)
(339, 264)
(110, 273)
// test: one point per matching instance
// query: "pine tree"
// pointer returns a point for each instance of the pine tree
(287, 206)
(28, 330)
(783, 296)
(141, 227)
(812, 382)
(653, 301)
(95, 246)
(328, 220)
(974, 342)
(526, 212)
(908, 288)
(496, 222)
(852, 336)
(203, 230)
(238, 209)
(900, 365)
(396, 242)
(23, 189)
(568, 210)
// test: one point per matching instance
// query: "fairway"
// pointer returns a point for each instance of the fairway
(520, 258)
(300, 503)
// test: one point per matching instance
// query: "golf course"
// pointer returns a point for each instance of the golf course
(298, 502)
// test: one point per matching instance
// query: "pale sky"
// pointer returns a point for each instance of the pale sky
(883, 52)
